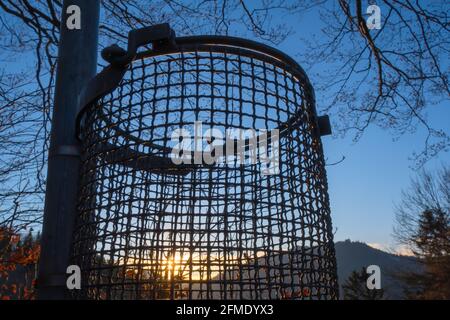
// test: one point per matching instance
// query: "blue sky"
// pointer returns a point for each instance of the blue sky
(364, 188)
(366, 185)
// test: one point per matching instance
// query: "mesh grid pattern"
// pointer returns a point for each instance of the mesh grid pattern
(149, 229)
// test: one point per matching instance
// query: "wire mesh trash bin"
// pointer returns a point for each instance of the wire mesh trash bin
(152, 227)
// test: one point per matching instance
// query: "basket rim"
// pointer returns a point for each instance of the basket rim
(109, 78)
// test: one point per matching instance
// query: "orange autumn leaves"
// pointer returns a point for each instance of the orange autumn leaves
(304, 293)
(18, 264)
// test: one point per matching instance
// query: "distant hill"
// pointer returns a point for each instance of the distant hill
(352, 256)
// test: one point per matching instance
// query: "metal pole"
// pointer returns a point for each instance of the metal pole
(77, 63)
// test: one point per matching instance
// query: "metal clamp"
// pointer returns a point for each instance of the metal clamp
(324, 125)
(160, 36)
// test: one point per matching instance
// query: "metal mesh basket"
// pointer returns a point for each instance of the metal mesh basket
(149, 228)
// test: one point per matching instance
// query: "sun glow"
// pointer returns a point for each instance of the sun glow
(182, 266)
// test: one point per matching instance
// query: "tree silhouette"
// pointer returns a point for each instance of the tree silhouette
(355, 287)
(388, 77)
(423, 224)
